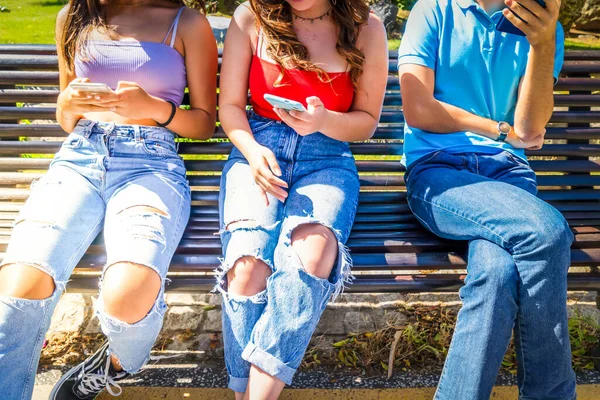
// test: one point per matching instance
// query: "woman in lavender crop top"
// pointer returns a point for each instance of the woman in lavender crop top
(118, 172)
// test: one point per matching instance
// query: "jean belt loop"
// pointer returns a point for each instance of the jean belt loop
(88, 128)
(110, 128)
(136, 133)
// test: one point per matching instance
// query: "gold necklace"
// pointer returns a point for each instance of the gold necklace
(312, 20)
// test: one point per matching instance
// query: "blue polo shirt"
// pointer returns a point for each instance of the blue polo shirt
(477, 68)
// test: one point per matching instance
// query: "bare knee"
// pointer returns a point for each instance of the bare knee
(25, 282)
(316, 245)
(129, 291)
(248, 276)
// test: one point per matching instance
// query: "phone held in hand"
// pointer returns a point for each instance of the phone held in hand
(504, 25)
(283, 103)
(92, 88)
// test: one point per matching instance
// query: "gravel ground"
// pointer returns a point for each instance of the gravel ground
(201, 376)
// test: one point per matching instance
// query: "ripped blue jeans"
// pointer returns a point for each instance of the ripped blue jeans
(272, 329)
(125, 179)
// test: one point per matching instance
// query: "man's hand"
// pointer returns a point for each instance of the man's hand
(518, 143)
(537, 23)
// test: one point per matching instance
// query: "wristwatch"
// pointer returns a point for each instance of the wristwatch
(503, 131)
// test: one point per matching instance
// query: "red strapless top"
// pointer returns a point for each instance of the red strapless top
(336, 95)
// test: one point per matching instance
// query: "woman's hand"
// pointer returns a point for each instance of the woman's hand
(73, 103)
(265, 170)
(305, 122)
(532, 144)
(133, 102)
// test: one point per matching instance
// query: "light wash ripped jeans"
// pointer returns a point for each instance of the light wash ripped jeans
(98, 178)
(273, 328)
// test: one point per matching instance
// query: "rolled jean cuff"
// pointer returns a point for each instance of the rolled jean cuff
(238, 384)
(268, 363)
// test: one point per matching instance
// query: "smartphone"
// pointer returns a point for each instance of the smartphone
(94, 88)
(283, 103)
(504, 25)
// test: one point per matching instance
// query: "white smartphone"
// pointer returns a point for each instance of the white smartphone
(94, 88)
(283, 103)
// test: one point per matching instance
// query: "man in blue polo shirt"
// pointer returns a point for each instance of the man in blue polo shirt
(474, 99)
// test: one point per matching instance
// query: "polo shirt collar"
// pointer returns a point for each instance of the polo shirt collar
(466, 3)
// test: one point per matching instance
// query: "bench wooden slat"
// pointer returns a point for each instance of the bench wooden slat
(387, 241)
(361, 262)
(363, 283)
(49, 95)
(224, 148)
(383, 132)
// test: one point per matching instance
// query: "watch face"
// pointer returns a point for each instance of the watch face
(504, 127)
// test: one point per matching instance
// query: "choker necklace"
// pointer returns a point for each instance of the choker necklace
(312, 20)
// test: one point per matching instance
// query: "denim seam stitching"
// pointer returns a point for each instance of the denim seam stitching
(463, 217)
(157, 155)
(417, 163)
(522, 347)
(263, 127)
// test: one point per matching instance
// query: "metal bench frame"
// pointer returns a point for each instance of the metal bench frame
(391, 251)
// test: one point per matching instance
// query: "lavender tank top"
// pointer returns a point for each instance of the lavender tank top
(157, 67)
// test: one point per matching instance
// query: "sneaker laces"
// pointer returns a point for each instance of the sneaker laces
(94, 383)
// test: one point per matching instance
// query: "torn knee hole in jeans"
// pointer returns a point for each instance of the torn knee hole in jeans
(241, 224)
(342, 269)
(222, 283)
(144, 222)
(20, 302)
(246, 225)
(36, 223)
(115, 325)
(240, 236)
(143, 210)
(159, 305)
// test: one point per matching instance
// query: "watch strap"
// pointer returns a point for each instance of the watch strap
(501, 134)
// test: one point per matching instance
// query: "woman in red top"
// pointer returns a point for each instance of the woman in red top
(289, 190)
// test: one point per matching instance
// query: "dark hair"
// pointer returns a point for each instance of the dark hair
(275, 18)
(86, 16)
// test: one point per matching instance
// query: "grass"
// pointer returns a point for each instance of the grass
(582, 44)
(29, 21)
(423, 343)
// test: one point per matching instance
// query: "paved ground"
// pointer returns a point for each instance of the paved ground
(182, 381)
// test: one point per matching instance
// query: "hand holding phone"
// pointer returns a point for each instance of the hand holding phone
(82, 96)
(91, 87)
(306, 122)
(535, 19)
(283, 103)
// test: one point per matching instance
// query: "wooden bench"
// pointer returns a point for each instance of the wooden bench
(391, 251)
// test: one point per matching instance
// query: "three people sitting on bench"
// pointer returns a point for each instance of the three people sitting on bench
(473, 99)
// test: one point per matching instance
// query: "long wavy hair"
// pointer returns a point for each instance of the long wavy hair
(87, 16)
(274, 19)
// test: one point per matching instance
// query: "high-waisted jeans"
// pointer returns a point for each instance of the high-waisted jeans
(273, 328)
(98, 178)
(519, 255)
